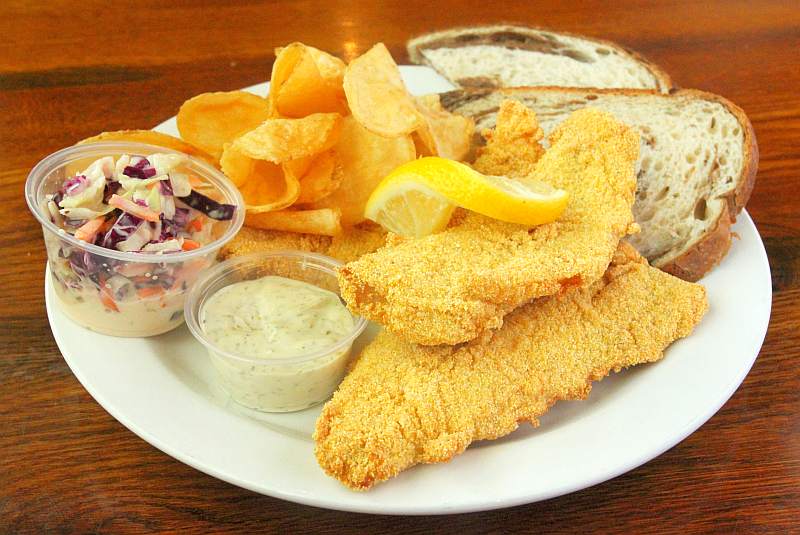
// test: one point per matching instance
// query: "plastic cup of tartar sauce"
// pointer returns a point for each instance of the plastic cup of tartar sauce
(274, 381)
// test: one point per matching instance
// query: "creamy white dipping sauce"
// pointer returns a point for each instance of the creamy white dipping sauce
(268, 323)
(133, 318)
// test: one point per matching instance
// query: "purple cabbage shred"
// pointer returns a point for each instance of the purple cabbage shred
(181, 217)
(75, 185)
(141, 169)
(110, 189)
(166, 281)
(125, 225)
(210, 207)
(169, 230)
(165, 188)
(85, 265)
(133, 172)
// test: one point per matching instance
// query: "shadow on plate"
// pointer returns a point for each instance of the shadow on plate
(187, 360)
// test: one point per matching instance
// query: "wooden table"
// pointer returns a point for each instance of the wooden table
(72, 69)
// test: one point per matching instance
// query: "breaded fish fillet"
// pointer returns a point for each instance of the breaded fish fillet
(350, 245)
(450, 287)
(404, 404)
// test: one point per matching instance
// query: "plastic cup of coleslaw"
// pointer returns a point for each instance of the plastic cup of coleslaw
(280, 383)
(131, 294)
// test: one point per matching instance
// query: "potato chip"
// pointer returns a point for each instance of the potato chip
(330, 67)
(321, 178)
(264, 185)
(286, 59)
(281, 140)
(299, 166)
(210, 120)
(153, 138)
(308, 91)
(442, 133)
(423, 148)
(365, 158)
(325, 221)
(377, 96)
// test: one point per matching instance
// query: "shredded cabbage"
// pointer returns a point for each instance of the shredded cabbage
(164, 163)
(180, 184)
(210, 207)
(153, 182)
(137, 239)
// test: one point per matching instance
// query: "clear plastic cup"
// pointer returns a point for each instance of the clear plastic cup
(93, 285)
(280, 383)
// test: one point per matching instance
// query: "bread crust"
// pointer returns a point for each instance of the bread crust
(416, 44)
(706, 252)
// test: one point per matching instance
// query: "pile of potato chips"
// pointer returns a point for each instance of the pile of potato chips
(307, 158)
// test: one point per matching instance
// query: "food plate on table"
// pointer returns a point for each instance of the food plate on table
(163, 389)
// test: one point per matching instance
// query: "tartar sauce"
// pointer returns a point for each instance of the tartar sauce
(274, 317)
(266, 322)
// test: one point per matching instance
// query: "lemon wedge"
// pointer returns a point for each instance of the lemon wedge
(418, 197)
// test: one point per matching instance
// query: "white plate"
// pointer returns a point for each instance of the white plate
(163, 390)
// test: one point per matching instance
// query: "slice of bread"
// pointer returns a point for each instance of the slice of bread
(696, 168)
(514, 56)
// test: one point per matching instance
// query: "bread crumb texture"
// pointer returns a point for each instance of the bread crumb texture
(452, 286)
(404, 404)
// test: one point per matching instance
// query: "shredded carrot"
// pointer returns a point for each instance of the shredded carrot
(196, 224)
(132, 208)
(195, 181)
(107, 224)
(106, 299)
(150, 291)
(190, 245)
(88, 231)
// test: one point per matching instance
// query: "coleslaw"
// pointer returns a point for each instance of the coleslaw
(153, 206)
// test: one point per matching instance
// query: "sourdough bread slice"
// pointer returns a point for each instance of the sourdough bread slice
(514, 56)
(697, 163)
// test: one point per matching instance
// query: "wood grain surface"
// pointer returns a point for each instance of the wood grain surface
(70, 69)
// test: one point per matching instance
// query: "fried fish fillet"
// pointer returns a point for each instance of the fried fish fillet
(404, 404)
(350, 245)
(450, 287)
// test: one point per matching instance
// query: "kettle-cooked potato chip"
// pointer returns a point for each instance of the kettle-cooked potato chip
(286, 58)
(281, 140)
(377, 96)
(300, 166)
(365, 158)
(442, 133)
(308, 91)
(263, 184)
(210, 120)
(153, 138)
(330, 67)
(325, 221)
(320, 179)
(306, 80)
